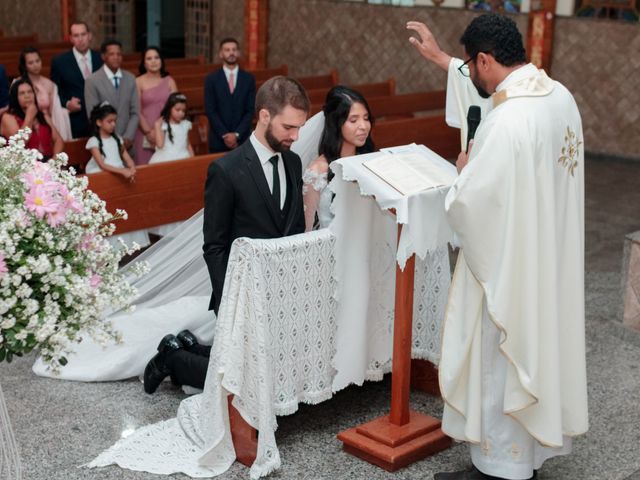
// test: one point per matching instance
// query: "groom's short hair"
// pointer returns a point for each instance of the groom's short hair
(278, 92)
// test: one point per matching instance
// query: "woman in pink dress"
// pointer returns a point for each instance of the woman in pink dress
(154, 87)
(30, 67)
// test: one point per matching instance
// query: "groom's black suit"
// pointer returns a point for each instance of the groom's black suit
(238, 203)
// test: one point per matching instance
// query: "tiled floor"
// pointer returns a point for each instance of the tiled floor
(61, 425)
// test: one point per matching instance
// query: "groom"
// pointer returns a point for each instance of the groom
(254, 191)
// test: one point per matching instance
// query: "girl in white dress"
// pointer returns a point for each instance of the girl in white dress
(108, 154)
(172, 131)
(172, 142)
(347, 132)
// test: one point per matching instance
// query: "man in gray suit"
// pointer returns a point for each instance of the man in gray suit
(117, 87)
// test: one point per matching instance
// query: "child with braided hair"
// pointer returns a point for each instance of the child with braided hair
(108, 154)
(172, 131)
(107, 149)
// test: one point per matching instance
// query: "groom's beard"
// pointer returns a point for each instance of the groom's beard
(275, 144)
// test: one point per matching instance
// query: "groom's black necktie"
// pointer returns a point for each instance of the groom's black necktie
(275, 192)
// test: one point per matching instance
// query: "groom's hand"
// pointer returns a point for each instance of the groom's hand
(427, 45)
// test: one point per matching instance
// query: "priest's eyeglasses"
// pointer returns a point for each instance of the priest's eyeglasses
(464, 68)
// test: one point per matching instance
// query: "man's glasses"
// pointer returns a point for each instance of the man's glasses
(464, 68)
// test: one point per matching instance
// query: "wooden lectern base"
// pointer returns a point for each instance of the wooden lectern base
(393, 447)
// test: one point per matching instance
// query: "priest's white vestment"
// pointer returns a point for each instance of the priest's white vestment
(513, 370)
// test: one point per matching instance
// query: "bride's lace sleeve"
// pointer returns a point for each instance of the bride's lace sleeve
(312, 185)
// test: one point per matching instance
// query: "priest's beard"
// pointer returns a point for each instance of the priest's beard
(275, 144)
(481, 91)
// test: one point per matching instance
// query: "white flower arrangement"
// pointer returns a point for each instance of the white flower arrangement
(58, 273)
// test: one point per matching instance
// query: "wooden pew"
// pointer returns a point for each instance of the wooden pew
(162, 193)
(394, 107)
(199, 134)
(192, 80)
(195, 99)
(320, 81)
(369, 90)
(432, 132)
(18, 42)
(78, 155)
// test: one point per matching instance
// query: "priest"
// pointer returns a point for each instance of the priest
(512, 373)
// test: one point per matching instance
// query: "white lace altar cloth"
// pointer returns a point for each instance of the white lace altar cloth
(367, 249)
(274, 347)
(422, 214)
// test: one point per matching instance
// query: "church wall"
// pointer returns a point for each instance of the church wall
(597, 61)
(365, 43)
(228, 21)
(17, 19)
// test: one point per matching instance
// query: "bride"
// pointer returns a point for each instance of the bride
(346, 132)
(175, 296)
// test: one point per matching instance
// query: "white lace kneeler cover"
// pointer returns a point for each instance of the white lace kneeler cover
(272, 349)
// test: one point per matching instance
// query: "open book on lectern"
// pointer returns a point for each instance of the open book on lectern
(412, 168)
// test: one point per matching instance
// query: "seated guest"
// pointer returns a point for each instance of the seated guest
(108, 154)
(229, 96)
(4, 91)
(154, 87)
(24, 112)
(118, 88)
(69, 71)
(30, 66)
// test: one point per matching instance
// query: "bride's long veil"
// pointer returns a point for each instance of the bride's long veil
(177, 268)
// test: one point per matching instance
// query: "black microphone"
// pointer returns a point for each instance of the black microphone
(473, 120)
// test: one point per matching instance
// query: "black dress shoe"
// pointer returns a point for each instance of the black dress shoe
(470, 474)
(157, 370)
(188, 340)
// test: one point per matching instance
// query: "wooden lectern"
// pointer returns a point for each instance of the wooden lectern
(403, 436)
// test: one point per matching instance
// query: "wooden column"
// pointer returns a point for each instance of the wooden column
(256, 25)
(67, 12)
(540, 33)
(404, 436)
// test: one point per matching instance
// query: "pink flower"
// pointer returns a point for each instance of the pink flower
(95, 280)
(58, 217)
(40, 176)
(87, 242)
(38, 201)
(70, 202)
(3, 266)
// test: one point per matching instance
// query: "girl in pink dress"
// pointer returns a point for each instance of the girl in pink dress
(154, 87)
(30, 66)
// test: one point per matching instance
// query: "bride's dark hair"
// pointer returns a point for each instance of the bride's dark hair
(336, 110)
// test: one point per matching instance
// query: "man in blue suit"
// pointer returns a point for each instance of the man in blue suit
(4, 90)
(229, 99)
(69, 70)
